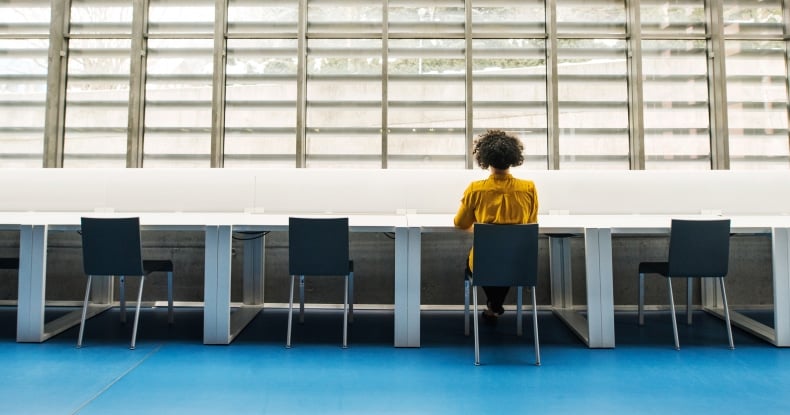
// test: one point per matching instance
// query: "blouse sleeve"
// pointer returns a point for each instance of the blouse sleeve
(465, 217)
(533, 214)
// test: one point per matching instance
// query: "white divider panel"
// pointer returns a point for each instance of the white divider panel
(437, 191)
(181, 190)
(663, 192)
(52, 190)
(376, 191)
(341, 191)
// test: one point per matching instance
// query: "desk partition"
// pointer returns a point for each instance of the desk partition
(406, 202)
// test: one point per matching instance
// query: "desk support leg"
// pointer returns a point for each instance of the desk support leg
(216, 311)
(600, 291)
(32, 283)
(254, 262)
(407, 287)
(780, 247)
(560, 272)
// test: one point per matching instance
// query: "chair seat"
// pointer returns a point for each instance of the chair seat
(9, 263)
(661, 268)
(157, 265)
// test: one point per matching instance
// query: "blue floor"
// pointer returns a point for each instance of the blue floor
(171, 372)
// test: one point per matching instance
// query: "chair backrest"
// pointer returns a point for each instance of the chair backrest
(318, 246)
(699, 248)
(505, 255)
(111, 246)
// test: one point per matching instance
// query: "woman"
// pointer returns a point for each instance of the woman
(499, 199)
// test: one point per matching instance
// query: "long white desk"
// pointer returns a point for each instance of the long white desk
(597, 329)
(220, 327)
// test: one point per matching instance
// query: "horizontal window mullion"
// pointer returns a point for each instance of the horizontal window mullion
(763, 132)
(260, 104)
(269, 130)
(479, 76)
(432, 131)
(76, 103)
(426, 104)
(674, 105)
(19, 103)
(176, 131)
(319, 131)
(178, 104)
(591, 78)
(677, 131)
(427, 78)
(96, 130)
(594, 130)
(155, 78)
(343, 78)
(343, 104)
(21, 130)
(760, 105)
(478, 104)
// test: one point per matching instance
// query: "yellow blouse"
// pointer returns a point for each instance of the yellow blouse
(499, 199)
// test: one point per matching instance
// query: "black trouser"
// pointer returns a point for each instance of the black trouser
(495, 295)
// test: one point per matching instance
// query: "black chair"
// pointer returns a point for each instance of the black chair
(319, 246)
(697, 249)
(504, 256)
(110, 247)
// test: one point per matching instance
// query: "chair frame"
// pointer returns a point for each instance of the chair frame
(513, 249)
(97, 231)
(681, 232)
(320, 265)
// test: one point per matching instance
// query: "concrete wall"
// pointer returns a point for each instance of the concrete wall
(443, 255)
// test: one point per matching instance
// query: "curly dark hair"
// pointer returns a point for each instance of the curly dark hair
(498, 149)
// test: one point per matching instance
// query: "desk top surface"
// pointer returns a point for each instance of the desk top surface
(549, 224)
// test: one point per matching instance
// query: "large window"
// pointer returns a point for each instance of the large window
(592, 84)
(756, 85)
(509, 84)
(97, 103)
(675, 85)
(757, 104)
(178, 103)
(343, 127)
(426, 110)
(23, 81)
(260, 103)
(586, 84)
(178, 83)
(593, 104)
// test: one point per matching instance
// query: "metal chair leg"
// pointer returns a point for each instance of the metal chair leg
(137, 313)
(641, 300)
(170, 316)
(345, 316)
(122, 297)
(689, 293)
(535, 326)
(726, 313)
(350, 293)
(674, 318)
(301, 299)
(290, 313)
(519, 301)
(84, 311)
(477, 334)
(466, 306)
